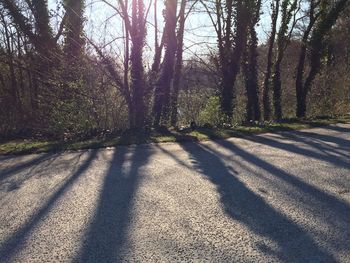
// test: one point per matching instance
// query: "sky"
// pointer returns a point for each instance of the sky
(102, 25)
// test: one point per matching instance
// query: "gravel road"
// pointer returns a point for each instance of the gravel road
(281, 197)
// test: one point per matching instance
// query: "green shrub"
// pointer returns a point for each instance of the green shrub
(211, 113)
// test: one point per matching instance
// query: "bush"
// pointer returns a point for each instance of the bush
(211, 113)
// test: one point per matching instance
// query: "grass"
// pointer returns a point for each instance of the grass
(199, 134)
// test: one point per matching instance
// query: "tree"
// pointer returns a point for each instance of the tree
(230, 20)
(133, 90)
(275, 7)
(57, 81)
(328, 17)
(161, 108)
(250, 67)
(178, 63)
(47, 52)
(14, 91)
(138, 34)
(73, 23)
(287, 9)
(42, 38)
(312, 15)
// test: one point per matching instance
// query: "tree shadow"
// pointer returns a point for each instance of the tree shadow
(15, 242)
(332, 203)
(7, 157)
(7, 172)
(335, 211)
(338, 128)
(40, 169)
(321, 142)
(242, 204)
(106, 238)
(293, 148)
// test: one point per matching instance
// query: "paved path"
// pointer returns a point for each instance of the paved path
(272, 198)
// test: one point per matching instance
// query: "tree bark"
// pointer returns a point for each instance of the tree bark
(161, 107)
(250, 67)
(230, 71)
(282, 41)
(73, 46)
(178, 64)
(138, 32)
(269, 64)
(300, 96)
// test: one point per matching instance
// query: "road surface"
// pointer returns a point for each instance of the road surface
(271, 198)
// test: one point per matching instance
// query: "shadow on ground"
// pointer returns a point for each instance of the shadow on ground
(106, 239)
(7, 172)
(320, 150)
(107, 233)
(294, 244)
(10, 246)
(15, 176)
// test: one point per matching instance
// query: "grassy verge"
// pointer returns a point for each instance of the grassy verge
(199, 134)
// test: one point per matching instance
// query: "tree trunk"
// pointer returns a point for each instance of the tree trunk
(251, 77)
(250, 66)
(317, 45)
(138, 32)
(228, 92)
(282, 42)
(266, 88)
(73, 46)
(161, 107)
(300, 96)
(277, 93)
(178, 64)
